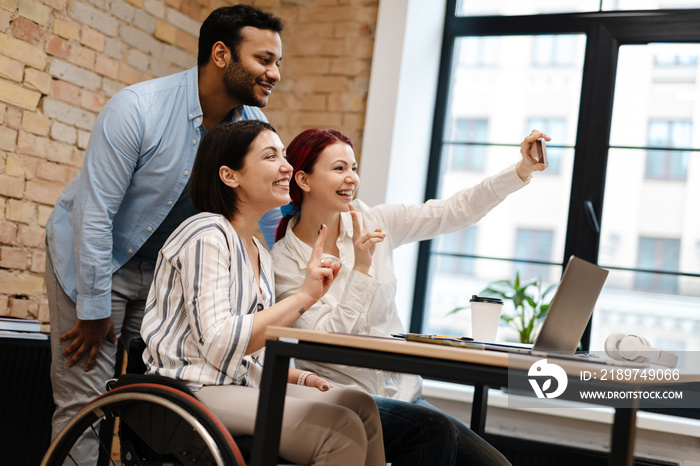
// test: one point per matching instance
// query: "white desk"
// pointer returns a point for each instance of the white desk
(481, 369)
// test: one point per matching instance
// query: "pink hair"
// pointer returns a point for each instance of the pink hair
(302, 154)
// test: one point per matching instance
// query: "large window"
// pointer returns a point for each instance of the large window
(618, 95)
(668, 164)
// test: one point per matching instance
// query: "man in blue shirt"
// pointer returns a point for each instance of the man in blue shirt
(132, 192)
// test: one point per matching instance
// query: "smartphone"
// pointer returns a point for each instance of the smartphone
(541, 149)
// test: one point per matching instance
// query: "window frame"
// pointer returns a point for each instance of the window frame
(605, 32)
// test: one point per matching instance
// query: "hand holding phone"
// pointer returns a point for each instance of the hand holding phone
(541, 151)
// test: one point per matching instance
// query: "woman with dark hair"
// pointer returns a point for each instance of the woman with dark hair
(362, 298)
(213, 296)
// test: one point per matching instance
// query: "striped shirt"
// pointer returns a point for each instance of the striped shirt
(200, 308)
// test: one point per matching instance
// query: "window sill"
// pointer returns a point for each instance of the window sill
(565, 409)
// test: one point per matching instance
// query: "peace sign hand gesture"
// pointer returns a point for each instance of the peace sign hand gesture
(364, 243)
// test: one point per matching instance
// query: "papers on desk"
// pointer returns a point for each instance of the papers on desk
(15, 327)
(443, 340)
(24, 335)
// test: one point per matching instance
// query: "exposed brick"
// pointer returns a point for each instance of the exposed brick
(43, 213)
(316, 120)
(106, 66)
(313, 47)
(113, 48)
(111, 86)
(3, 202)
(322, 84)
(38, 80)
(138, 60)
(175, 3)
(20, 284)
(8, 139)
(13, 118)
(160, 68)
(92, 101)
(140, 40)
(350, 66)
(35, 11)
(165, 32)
(10, 5)
(44, 316)
(3, 298)
(58, 5)
(37, 263)
(5, 19)
(94, 18)
(69, 114)
(145, 22)
(187, 42)
(307, 66)
(11, 186)
(353, 120)
(12, 258)
(29, 144)
(25, 29)
(58, 47)
(54, 172)
(65, 133)
(82, 57)
(20, 211)
(22, 51)
(182, 21)
(19, 96)
(22, 166)
(65, 28)
(44, 192)
(8, 232)
(83, 138)
(11, 69)
(65, 154)
(123, 10)
(35, 123)
(178, 57)
(93, 39)
(136, 3)
(24, 308)
(155, 7)
(346, 102)
(3, 109)
(101, 4)
(191, 9)
(32, 236)
(128, 75)
(75, 75)
(65, 92)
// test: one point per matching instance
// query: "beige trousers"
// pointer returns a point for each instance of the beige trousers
(336, 427)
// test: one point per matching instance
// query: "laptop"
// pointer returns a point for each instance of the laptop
(568, 314)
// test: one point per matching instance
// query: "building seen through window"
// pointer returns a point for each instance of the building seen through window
(649, 229)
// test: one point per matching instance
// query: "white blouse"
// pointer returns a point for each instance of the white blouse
(199, 311)
(365, 304)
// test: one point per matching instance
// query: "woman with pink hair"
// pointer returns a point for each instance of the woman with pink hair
(362, 298)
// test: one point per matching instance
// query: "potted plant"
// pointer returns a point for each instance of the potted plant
(529, 304)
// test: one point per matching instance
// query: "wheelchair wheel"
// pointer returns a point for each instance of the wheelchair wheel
(157, 424)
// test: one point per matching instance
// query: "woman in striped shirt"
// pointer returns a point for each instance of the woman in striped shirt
(213, 295)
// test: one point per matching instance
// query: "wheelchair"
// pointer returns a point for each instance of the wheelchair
(160, 422)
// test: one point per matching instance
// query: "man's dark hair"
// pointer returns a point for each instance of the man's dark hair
(227, 144)
(224, 24)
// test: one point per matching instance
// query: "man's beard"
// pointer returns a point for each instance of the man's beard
(240, 85)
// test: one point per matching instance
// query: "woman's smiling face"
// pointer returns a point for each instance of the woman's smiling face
(334, 178)
(264, 178)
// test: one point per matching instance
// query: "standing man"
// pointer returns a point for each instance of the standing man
(132, 192)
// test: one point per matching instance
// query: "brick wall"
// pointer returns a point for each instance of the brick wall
(61, 60)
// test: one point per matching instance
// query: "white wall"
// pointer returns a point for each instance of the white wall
(399, 118)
